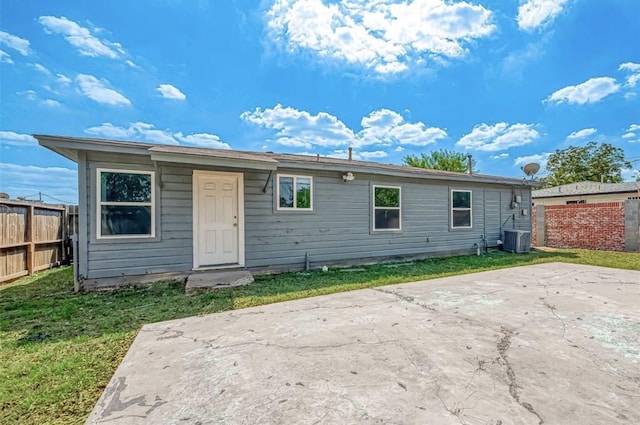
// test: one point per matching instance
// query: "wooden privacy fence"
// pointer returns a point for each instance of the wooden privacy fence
(33, 237)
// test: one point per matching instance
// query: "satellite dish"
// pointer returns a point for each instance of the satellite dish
(531, 169)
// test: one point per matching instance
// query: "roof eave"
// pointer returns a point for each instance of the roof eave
(212, 161)
(69, 147)
(462, 177)
(564, 195)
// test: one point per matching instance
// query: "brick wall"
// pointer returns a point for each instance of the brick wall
(588, 226)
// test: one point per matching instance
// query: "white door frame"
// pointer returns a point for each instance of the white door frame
(196, 199)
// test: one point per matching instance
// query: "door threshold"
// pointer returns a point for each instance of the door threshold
(218, 267)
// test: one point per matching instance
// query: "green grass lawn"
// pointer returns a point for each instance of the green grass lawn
(58, 349)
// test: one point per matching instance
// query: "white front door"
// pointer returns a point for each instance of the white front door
(216, 219)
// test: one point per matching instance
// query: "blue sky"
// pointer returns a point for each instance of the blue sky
(508, 81)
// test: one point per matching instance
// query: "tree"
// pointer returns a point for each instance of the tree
(603, 163)
(443, 160)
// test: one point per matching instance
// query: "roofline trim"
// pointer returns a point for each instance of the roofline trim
(185, 158)
(565, 195)
(66, 145)
(372, 169)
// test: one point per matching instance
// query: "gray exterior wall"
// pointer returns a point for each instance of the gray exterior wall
(338, 230)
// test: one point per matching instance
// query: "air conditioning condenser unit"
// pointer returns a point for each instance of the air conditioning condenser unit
(518, 241)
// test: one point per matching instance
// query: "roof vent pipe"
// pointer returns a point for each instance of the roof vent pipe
(350, 153)
(470, 166)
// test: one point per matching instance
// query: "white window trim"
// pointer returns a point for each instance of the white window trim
(294, 208)
(99, 203)
(374, 208)
(470, 209)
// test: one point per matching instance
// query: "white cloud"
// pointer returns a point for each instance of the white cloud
(500, 156)
(383, 35)
(81, 38)
(16, 43)
(203, 140)
(300, 129)
(388, 127)
(591, 91)
(51, 102)
(586, 132)
(97, 90)
(534, 14)
(498, 137)
(141, 131)
(10, 138)
(364, 156)
(633, 79)
(32, 95)
(151, 134)
(634, 73)
(399, 149)
(110, 131)
(372, 154)
(632, 133)
(29, 94)
(146, 132)
(170, 92)
(40, 68)
(25, 180)
(342, 154)
(63, 79)
(540, 158)
(629, 66)
(5, 57)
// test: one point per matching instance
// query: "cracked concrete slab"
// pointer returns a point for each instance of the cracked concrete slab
(546, 344)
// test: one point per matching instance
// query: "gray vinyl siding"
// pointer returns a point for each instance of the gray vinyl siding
(171, 250)
(338, 229)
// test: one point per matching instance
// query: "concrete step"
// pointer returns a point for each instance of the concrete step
(199, 283)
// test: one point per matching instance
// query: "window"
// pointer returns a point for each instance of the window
(126, 204)
(386, 208)
(295, 193)
(461, 209)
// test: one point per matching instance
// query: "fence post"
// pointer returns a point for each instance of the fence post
(64, 216)
(74, 244)
(31, 239)
(541, 231)
(632, 225)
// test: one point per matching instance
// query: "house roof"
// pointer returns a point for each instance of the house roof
(586, 188)
(70, 146)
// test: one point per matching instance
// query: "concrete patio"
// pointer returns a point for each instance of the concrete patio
(545, 344)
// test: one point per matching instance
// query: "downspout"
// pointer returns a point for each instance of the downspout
(477, 246)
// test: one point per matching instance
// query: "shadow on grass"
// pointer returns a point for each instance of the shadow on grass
(44, 308)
